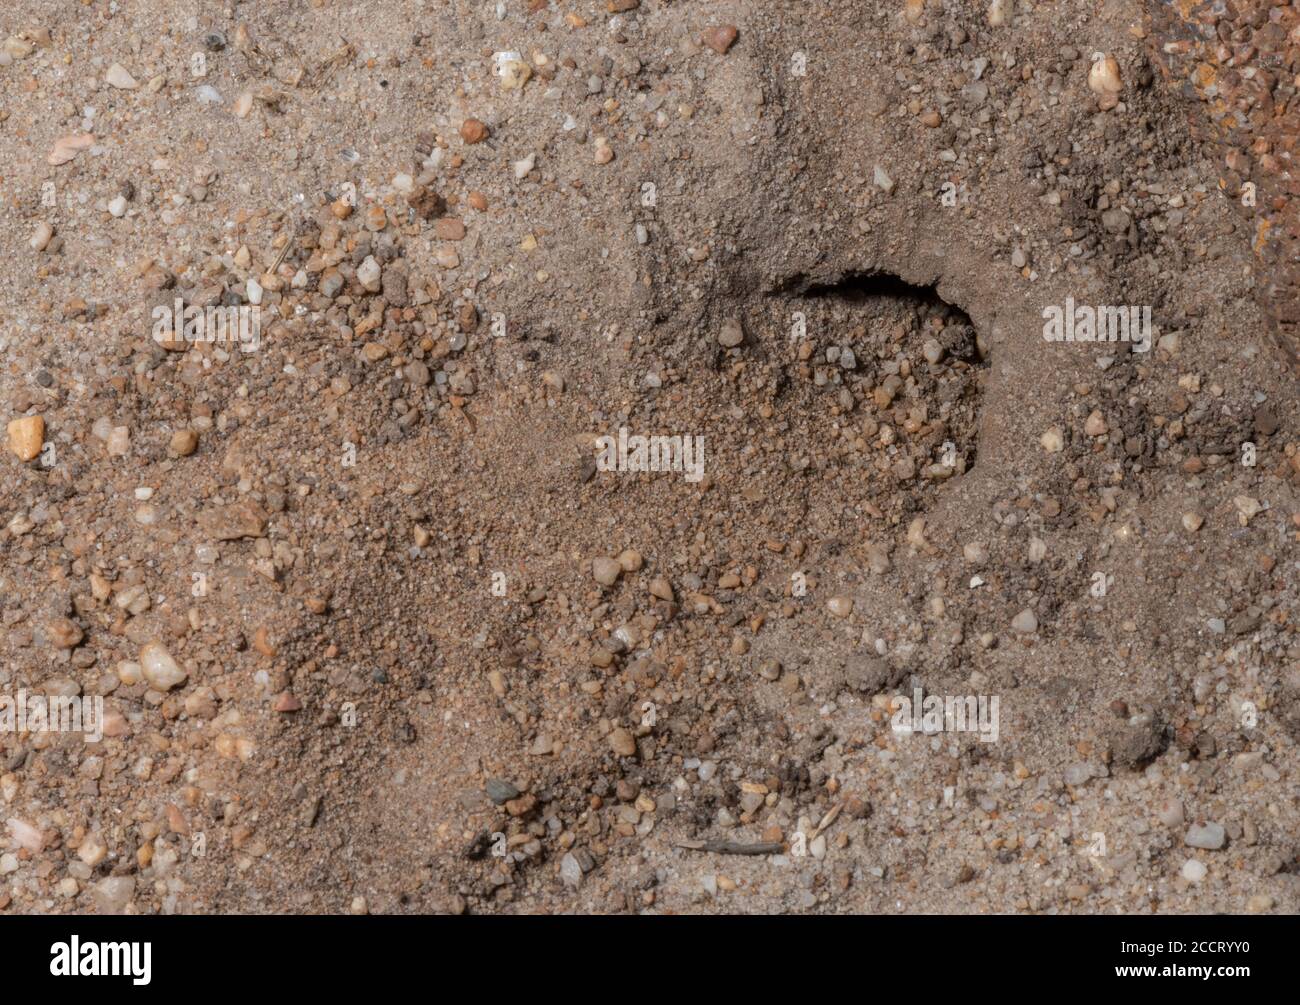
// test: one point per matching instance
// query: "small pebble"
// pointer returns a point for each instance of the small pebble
(1210, 836)
(1026, 622)
(500, 791)
(732, 333)
(841, 606)
(41, 237)
(184, 442)
(117, 76)
(1078, 773)
(606, 571)
(159, 669)
(1000, 12)
(720, 38)
(26, 436)
(369, 274)
(1103, 76)
(622, 742)
(66, 148)
(1193, 871)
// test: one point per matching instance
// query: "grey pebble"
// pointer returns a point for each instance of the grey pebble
(1078, 773)
(500, 791)
(1210, 836)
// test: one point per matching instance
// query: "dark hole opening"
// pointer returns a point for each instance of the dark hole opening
(860, 287)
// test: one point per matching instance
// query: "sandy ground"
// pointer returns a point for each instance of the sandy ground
(380, 623)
